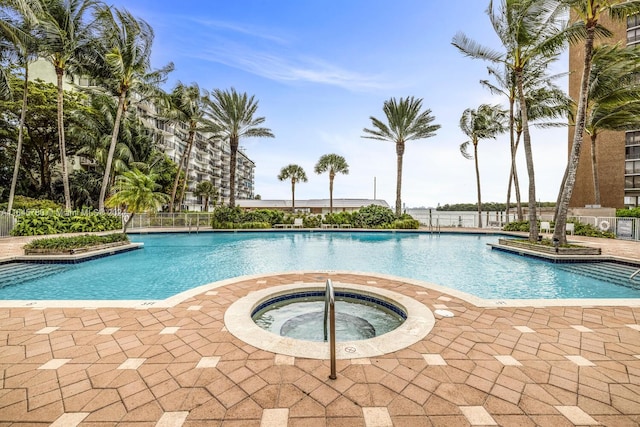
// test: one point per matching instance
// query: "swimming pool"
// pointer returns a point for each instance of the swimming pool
(172, 263)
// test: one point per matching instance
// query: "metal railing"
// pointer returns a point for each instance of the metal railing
(7, 222)
(189, 220)
(330, 313)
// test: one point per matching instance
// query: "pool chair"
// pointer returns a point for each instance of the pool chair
(545, 225)
(297, 223)
(570, 227)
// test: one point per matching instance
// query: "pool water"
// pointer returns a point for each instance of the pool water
(172, 263)
(303, 318)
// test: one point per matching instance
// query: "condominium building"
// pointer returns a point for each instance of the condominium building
(209, 159)
(617, 152)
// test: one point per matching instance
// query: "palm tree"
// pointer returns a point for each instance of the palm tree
(529, 30)
(124, 59)
(613, 103)
(545, 102)
(186, 105)
(588, 14)
(334, 164)
(137, 193)
(24, 46)
(405, 122)
(67, 35)
(484, 123)
(207, 190)
(234, 114)
(296, 174)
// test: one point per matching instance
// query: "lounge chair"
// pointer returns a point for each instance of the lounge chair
(570, 227)
(297, 223)
(545, 225)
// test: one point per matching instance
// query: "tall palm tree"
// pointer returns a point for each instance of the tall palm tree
(528, 30)
(335, 164)
(207, 191)
(67, 34)
(546, 102)
(405, 122)
(124, 62)
(486, 122)
(137, 193)
(614, 100)
(294, 173)
(234, 113)
(588, 27)
(23, 45)
(186, 105)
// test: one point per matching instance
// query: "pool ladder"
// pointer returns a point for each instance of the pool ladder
(330, 329)
(634, 274)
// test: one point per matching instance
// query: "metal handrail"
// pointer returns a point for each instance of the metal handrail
(330, 312)
(634, 274)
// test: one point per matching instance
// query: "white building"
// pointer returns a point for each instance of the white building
(209, 160)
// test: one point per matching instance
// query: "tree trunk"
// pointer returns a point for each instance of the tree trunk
(61, 144)
(183, 159)
(516, 183)
(572, 165)
(293, 195)
(127, 222)
(475, 158)
(23, 115)
(399, 154)
(533, 220)
(513, 153)
(112, 149)
(594, 168)
(233, 159)
(331, 177)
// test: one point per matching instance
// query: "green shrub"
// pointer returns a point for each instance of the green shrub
(35, 223)
(580, 229)
(27, 203)
(224, 214)
(628, 213)
(373, 216)
(228, 225)
(76, 242)
(263, 215)
(338, 218)
(405, 224)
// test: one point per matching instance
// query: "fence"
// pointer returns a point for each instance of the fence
(168, 220)
(7, 222)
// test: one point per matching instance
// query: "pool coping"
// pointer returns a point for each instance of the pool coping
(174, 300)
(419, 322)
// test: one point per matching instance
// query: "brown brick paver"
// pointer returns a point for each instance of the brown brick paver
(246, 380)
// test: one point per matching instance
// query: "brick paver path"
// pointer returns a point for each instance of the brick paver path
(555, 366)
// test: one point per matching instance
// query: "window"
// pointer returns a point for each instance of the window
(632, 167)
(632, 138)
(632, 182)
(632, 153)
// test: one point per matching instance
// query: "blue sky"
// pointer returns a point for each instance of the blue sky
(320, 69)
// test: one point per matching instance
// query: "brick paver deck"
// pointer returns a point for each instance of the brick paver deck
(530, 366)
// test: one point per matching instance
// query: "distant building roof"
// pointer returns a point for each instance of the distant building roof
(310, 203)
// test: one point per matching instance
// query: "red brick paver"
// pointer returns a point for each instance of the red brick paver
(237, 383)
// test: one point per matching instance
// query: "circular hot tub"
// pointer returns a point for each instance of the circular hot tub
(395, 322)
(301, 315)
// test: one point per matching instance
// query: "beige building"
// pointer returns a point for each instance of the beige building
(618, 153)
(209, 160)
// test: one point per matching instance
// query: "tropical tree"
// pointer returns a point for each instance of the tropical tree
(85, 188)
(296, 174)
(207, 191)
(23, 46)
(124, 64)
(484, 123)
(136, 192)
(528, 30)
(334, 164)
(545, 103)
(614, 97)
(67, 34)
(234, 114)
(405, 122)
(186, 105)
(588, 28)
